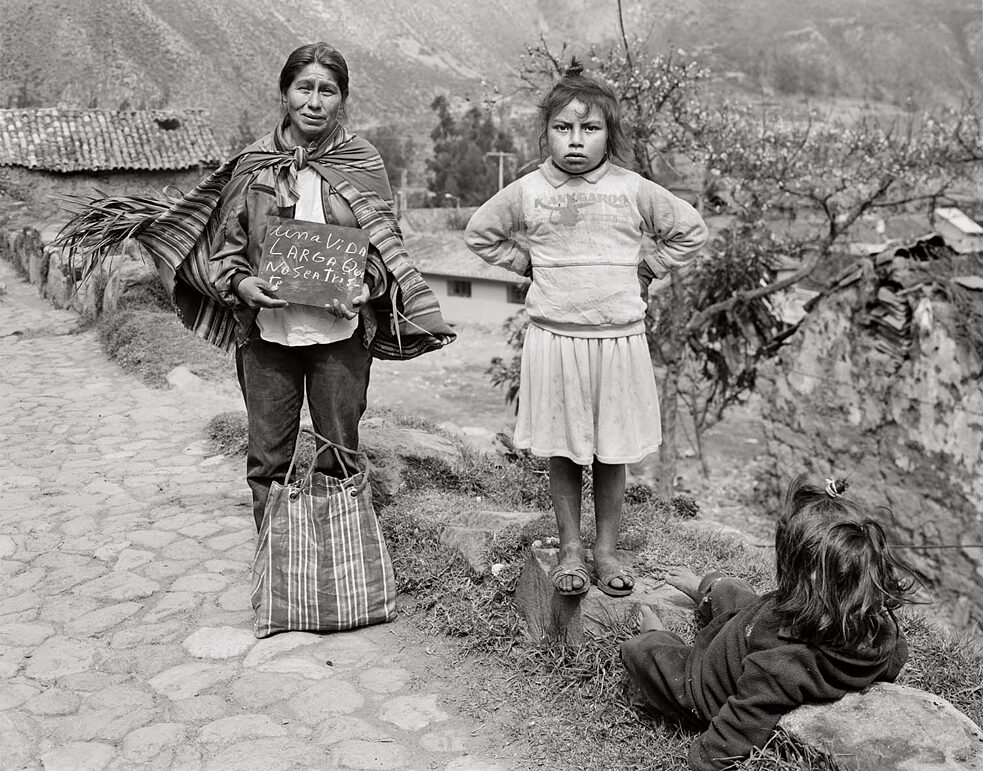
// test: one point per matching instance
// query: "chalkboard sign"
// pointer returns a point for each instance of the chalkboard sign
(310, 263)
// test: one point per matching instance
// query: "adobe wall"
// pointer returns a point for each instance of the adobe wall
(907, 430)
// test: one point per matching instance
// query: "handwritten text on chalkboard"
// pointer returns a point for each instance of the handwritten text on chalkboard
(311, 263)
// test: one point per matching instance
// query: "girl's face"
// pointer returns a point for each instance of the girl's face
(313, 102)
(577, 137)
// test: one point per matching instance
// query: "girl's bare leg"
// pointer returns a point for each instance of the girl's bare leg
(609, 499)
(566, 484)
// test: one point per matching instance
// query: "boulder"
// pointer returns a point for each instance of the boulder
(183, 379)
(388, 445)
(125, 274)
(87, 298)
(407, 442)
(52, 276)
(889, 726)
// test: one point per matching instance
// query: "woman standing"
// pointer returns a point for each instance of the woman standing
(207, 247)
(287, 350)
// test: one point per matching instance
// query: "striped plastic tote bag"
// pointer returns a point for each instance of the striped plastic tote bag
(321, 562)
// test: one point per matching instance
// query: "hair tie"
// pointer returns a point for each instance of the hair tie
(836, 487)
(574, 68)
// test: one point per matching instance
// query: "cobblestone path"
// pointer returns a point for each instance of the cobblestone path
(125, 626)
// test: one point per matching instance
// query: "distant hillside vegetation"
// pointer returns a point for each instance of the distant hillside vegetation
(224, 55)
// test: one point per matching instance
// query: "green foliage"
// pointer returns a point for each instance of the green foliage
(461, 174)
(504, 373)
(396, 149)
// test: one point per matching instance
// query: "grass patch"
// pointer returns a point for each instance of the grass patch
(946, 664)
(572, 705)
(150, 343)
(228, 433)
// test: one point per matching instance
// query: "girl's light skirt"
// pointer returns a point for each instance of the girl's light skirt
(586, 398)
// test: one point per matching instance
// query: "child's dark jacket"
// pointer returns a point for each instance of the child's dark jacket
(744, 671)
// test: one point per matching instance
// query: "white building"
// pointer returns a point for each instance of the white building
(958, 231)
(469, 289)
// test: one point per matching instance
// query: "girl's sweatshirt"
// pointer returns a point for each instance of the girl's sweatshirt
(586, 240)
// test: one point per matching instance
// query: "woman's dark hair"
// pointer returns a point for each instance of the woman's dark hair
(836, 572)
(315, 53)
(574, 84)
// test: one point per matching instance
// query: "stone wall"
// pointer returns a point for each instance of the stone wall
(41, 190)
(901, 416)
(48, 268)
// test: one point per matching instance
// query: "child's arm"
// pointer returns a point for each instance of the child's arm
(773, 682)
(489, 231)
(673, 231)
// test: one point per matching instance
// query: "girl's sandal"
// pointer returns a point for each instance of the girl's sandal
(571, 570)
(607, 571)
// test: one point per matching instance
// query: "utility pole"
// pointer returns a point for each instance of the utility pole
(501, 165)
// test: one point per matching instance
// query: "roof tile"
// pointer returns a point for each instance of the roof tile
(71, 139)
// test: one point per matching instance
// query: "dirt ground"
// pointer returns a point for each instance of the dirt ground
(449, 385)
(452, 386)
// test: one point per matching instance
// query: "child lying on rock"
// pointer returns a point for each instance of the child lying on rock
(828, 629)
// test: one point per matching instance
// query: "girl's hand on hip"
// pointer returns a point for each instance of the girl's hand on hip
(338, 308)
(259, 293)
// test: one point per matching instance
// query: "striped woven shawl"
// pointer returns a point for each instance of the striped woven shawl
(180, 233)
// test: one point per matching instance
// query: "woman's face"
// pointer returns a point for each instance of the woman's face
(313, 102)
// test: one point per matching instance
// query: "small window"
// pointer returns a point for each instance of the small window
(516, 293)
(458, 288)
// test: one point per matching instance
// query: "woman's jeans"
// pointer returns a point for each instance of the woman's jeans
(273, 379)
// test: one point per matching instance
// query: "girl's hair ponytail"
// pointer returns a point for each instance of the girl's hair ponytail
(574, 68)
(574, 84)
(837, 573)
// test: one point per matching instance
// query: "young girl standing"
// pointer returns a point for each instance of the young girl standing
(591, 235)
(828, 629)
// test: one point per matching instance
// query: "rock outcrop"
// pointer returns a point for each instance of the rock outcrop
(881, 384)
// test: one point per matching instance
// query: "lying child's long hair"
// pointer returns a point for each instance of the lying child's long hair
(838, 578)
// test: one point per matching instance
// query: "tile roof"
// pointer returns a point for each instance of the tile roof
(444, 254)
(70, 139)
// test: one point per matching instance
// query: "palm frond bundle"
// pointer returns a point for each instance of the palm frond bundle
(100, 225)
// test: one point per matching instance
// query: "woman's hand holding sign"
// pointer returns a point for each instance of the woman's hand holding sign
(257, 292)
(338, 308)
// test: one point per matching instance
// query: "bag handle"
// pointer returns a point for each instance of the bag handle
(325, 444)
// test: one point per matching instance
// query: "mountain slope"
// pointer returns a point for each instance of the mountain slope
(225, 55)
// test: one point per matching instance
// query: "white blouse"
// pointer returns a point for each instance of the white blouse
(305, 324)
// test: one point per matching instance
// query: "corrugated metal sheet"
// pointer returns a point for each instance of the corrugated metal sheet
(68, 139)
